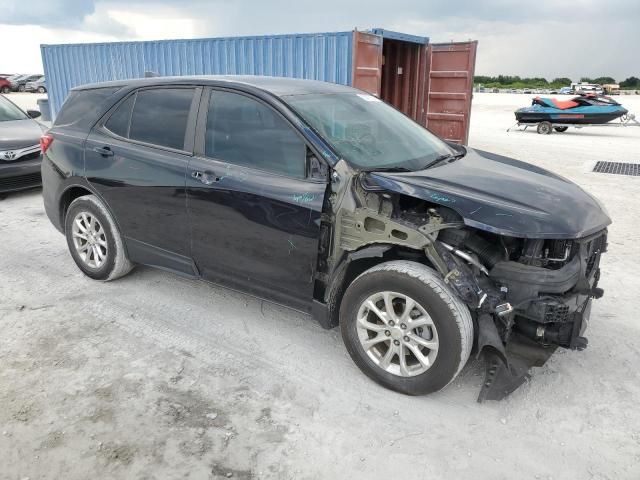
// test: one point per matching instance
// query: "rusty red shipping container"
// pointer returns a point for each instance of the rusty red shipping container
(431, 83)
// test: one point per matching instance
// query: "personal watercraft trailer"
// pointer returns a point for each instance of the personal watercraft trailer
(549, 114)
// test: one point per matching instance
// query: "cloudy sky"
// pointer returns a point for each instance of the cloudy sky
(529, 38)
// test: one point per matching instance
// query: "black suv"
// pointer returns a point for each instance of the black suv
(325, 199)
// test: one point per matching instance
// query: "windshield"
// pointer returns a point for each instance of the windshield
(368, 133)
(9, 112)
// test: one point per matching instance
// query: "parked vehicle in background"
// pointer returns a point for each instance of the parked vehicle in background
(527, 91)
(18, 84)
(326, 199)
(583, 87)
(553, 91)
(38, 86)
(5, 85)
(19, 148)
(566, 91)
(496, 90)
(611, 89)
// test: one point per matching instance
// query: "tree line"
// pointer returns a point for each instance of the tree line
(514, 81)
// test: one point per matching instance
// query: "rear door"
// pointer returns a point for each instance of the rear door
(254, 213)
(367, 62)
(449, 90)
(137, 158)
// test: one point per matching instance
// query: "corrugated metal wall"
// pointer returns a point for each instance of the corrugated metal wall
(318, 56)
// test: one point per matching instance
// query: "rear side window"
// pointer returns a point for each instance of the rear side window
(243, 131)
(83, 105)
(160, 116)
(118, 122)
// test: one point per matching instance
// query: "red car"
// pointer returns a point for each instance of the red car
(5, 85)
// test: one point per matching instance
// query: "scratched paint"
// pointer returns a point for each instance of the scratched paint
(442, 198)
(292, 245)
(229, 173)
(305, 197)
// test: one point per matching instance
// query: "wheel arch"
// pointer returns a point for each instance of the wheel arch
(352, 266)
(68, 196)
(74, 191)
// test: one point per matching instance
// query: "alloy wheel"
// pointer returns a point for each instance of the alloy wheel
(397, 334)
(89, 240)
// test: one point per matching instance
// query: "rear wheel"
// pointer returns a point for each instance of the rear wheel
(405, 328)
(544, 128)
(41, 90)
(94, 240)
(560, 129)
(6, 90)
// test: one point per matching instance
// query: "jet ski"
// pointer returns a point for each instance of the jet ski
(584, 109)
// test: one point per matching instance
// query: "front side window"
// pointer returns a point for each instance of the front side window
(244, 131)
(367, 132)
(160, 116)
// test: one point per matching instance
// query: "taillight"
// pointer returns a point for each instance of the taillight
(45, 142)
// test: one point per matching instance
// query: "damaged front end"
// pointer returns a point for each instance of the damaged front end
(527, 296)
(547, 285)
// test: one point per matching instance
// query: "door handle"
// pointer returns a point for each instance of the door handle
(205, 177)
(104, 151)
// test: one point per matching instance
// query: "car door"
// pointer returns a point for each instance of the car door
(254, 213)
(136, 158)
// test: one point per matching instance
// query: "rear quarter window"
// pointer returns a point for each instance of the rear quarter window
(83, 105)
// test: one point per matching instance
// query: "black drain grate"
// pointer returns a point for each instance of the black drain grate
(618, 168)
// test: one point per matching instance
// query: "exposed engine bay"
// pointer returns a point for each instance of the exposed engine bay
(527, 296)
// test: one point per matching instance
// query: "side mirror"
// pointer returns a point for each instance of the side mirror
(34, 113)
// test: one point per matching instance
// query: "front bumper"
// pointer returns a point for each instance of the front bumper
(553, 306)
(20, 175)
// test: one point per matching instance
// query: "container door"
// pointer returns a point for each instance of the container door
(367, 62)
(450, 85)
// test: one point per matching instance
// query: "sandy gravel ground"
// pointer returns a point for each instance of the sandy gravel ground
(158, 377)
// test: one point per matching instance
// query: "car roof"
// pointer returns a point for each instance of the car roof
(279, 86)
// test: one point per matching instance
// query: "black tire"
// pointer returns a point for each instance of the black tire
(21, 88)
(42, 90)
(117, 263)
(544, 128)
(450, 316)
(560, 129)
(6, 90)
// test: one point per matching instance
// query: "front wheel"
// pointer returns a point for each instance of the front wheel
(94, 240)
(405, 328)
(41, 90)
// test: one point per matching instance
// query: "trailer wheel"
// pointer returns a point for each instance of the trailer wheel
(560, 129)
(544, 128)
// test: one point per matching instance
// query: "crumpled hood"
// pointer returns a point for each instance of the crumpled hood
(17, 134)
(502, 195)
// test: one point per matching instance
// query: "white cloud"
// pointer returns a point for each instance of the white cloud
(544, 38)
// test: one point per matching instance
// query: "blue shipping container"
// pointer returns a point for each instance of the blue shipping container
(317, 56)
